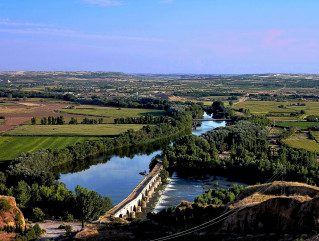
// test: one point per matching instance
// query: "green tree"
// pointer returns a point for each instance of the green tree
(33, 121)
(90, 204)
(37, 229)
(165, 162)
(22, 193)
(37, 215)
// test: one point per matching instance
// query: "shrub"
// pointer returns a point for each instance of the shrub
(37, 229)
(38, 215)
(69, 218)
(4, 205)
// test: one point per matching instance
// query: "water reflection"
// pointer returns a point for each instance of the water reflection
(207, 125)
(181, 188)
(115, 178)
(117, 174)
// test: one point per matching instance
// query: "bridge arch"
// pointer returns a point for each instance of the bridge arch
(137, 200)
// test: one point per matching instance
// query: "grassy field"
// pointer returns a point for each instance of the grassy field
(1, 121)
(275, 132)
(14, 110)
(299, 125)
(13, 146)
(7, 103)
(113, 112)
(266, 107)
(301, 140)
(315, 134)
(72, 130)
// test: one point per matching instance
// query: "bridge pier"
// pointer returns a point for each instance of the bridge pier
(138, 199)
(138, 209)
(144, 204)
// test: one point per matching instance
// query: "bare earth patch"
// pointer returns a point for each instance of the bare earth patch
(52, 229)
(18, 114)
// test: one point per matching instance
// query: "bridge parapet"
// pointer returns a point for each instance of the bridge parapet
(138, 198)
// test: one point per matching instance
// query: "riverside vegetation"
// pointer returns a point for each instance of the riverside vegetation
(249, 157)
(31, 177)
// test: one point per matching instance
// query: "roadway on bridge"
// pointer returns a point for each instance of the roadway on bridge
(133, 195)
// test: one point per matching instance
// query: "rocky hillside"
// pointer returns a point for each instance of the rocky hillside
(258, 212)
(10, 216)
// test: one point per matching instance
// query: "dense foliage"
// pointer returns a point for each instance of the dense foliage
(131, 102)
(35, 94)
(219, 110)
(249, 157)
(56, 201)
(149, 119)
(219, 196)
(202, 152)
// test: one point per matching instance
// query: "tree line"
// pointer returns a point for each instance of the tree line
(35, 94)
(51, 120)
(131, 102)
(149, 119)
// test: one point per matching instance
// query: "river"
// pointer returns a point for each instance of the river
(118, 176)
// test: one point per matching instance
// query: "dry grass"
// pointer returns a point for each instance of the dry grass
(299, 191)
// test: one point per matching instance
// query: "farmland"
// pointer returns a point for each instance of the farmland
(112, 112)
(299, 125)
(279, 110)
(13, 146)
(302, 141)
(72, 130)
(315, 135)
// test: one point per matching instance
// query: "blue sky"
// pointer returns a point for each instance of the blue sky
(160, 36)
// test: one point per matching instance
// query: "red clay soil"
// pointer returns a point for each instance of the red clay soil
(7, 236)
(19, 114)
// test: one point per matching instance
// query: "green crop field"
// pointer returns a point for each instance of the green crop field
(1, 121)
(12, 146)
(283, 118)
(302, 141)
(113, 112)
(72, 130)
(266, 107)
(7, 103)
(315, 134)
(299, 125)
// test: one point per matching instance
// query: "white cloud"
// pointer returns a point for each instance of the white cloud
(104, 3)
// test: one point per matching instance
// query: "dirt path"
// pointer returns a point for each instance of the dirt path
(241, 100)
(52, 229)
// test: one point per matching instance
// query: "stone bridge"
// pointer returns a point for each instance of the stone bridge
(138, 199)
